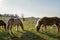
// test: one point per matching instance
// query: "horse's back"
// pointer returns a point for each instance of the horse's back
(49, 20)
(14, 21)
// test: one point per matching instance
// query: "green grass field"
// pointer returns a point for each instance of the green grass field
(30, 33)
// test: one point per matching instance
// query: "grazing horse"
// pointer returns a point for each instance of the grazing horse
(3, 24)
(16, 22)
(48, 21)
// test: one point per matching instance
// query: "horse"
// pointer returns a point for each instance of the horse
(3, 24)
(16, 22)
(48, 21)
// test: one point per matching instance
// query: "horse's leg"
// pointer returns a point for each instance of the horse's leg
(45, 27)
(1, 28)
(17, 28)
(58, 26)
(10, 29)
(42, 27)
(58, 29)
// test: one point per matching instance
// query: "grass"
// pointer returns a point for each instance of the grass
(30, 33)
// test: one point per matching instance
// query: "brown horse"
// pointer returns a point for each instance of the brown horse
(48, 21)
(16, 22)
(3, 24)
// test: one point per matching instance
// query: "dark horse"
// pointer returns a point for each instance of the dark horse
(16, 22)
(48, 21)
(3, 24)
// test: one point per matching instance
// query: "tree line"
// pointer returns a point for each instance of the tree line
(8, 15)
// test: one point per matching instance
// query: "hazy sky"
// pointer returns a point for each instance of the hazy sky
(36, 8)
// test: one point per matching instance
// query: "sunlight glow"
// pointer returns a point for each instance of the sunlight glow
(1, 0)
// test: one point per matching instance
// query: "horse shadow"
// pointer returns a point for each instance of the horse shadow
(13, 36)
(2, 35)
(26, 35)
(55, 36)
(8, 36)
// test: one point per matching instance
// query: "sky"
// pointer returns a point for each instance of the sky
(35, 8)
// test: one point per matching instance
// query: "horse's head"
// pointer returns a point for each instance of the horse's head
(38, 25)
(2, 23)
(5, 26)
(21, 24)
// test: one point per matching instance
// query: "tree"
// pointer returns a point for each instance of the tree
(16, 16)
(22, 16)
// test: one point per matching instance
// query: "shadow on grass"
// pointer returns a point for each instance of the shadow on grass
(2, 35)
(27, 35)
(13, 36)
(52, 35)
(8, 36)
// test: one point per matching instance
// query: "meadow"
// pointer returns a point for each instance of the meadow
(30, 32)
